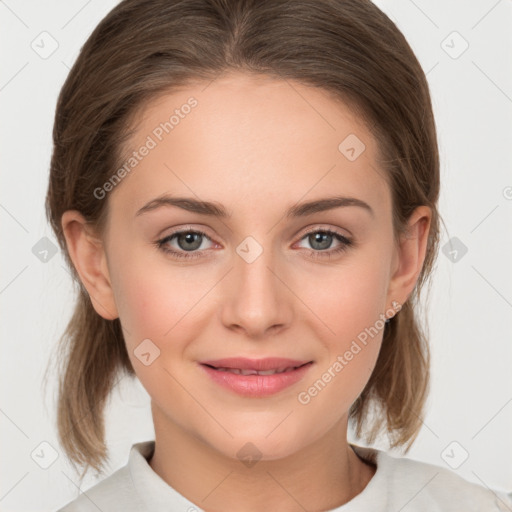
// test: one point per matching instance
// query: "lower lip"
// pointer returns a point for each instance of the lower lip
(257, 385)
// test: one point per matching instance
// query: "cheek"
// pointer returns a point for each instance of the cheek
(350, 353)
(165, 306)
(151, 297)
(347, 299)
(156, 312)
(348, 322)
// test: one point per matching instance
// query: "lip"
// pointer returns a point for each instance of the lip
(256, 385)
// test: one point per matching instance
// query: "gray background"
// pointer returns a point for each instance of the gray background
(470, 409)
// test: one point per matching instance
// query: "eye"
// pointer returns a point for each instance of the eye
(321, 239)
(187, 240)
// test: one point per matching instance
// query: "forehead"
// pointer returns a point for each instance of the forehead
(253, 141)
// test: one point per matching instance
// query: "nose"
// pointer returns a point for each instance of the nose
(258, 300)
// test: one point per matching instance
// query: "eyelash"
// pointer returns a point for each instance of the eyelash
(345, 244)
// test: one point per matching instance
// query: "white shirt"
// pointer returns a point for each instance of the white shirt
(399, 484)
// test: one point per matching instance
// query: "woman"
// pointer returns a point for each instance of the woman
(248, 129)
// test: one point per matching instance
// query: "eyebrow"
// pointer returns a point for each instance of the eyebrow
(216, 209)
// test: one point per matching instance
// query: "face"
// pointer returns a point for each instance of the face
(311, 286)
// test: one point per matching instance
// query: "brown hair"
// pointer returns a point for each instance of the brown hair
(144, 48)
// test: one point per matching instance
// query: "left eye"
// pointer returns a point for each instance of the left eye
(324, 239)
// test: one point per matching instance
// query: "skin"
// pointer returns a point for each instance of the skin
(257, 146)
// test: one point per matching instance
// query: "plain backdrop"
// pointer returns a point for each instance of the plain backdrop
(466, 50)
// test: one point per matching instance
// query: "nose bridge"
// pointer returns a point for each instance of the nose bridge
(257, 299)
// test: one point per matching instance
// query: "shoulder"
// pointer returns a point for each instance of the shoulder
(430, 487)
(116, 492)
(120, 491)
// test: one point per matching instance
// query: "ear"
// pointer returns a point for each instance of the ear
(87, 253)
(409, 256)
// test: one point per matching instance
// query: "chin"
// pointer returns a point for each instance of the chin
(261, 444)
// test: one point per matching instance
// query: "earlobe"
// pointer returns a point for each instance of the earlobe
(88, 255)
(411, 255)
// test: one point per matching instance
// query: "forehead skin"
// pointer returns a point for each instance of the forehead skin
(255, 144)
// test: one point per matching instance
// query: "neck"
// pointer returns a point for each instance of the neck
(322, 476)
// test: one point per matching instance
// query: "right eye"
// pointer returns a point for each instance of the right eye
(191, 238)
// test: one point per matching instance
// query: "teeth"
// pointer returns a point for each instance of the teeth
(238, 371)
(268, 372)
(247, 372)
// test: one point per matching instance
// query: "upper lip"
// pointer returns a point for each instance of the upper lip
(243, 363)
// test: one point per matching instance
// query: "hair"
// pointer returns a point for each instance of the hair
(146, 48)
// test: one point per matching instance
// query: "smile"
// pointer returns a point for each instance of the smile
(256, 378)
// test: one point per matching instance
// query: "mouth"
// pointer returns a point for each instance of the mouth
(251, 371)
(256, 377)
